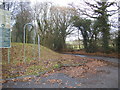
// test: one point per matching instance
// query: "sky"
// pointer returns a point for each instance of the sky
(64, 3)
(70, 37)
(58, 2)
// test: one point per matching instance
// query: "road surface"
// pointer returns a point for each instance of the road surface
(106, 78)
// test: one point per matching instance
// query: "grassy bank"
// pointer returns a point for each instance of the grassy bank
(48, 60)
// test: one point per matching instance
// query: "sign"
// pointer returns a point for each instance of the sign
(5, 39)
(5, 35)
(5, 18)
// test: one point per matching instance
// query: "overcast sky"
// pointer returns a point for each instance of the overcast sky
(63, 3)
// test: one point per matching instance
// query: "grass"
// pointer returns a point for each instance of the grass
(48, 60)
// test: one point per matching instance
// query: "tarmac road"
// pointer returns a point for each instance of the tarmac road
(106, 78)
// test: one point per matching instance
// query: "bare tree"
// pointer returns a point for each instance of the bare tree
(23, 16)
(62, 22)
(100, 12)
(53, 23)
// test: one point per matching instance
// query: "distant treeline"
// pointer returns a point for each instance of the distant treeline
(55, 23)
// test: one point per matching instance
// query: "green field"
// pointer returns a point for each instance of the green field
(74, 45)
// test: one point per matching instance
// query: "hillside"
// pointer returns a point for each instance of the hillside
(48, 60)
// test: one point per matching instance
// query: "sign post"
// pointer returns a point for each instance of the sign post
(5, 33)
(38, 47)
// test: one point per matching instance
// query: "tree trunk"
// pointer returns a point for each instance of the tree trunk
(106, 40)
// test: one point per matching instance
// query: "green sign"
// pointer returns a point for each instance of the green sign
(5, 37)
